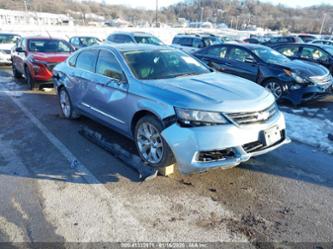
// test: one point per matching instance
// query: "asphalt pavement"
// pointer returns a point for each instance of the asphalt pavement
(284, 196)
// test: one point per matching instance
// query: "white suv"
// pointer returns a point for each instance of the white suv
(7, 42)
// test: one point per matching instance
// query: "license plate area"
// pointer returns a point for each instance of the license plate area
(271, 136)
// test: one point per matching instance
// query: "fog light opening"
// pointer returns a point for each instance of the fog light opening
(216, 155)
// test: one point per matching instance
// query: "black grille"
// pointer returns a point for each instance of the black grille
(216, 155)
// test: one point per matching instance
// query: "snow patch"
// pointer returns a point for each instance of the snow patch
(311, 131)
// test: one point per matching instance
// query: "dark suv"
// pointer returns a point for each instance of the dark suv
(282, 40)
(134, 37)
(192, 42)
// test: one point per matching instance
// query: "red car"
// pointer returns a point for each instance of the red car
(35, 58)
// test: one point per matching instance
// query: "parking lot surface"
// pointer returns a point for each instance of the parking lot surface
(286, 195)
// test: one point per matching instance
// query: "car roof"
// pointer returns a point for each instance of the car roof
(42, 38)
(125, 47)
(9, 34)
(194, 35)
(136, 33)
(243, 45)
(83, 36)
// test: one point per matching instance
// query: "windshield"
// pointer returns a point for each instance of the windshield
(49, 46)
(7, 38)
(162, 64)
(209, 41)
(148, 40)
(89, 41)
(269, 55)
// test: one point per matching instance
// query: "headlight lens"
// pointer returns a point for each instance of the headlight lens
(299, 79)
(35, 61)
(199, 118)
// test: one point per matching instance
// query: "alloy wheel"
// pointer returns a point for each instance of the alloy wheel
(65, 103)
(150, 143)
(275, 88)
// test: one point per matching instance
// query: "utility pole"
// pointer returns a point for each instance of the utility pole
(26, 10)
(323, 23)
(25, 5)
(156, 13)
(201, 16)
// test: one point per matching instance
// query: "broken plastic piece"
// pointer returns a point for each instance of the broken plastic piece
(133, 161)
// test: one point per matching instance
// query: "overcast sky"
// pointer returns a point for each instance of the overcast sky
(150, 4)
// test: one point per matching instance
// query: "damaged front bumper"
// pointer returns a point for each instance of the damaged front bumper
(308, 93)
(198, 149)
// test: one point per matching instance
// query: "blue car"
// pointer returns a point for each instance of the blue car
(174, 107)
(294, 80)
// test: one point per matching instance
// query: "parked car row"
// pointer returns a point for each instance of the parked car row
(295, 80)
(200, 103)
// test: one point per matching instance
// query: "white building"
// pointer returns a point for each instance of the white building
(30, 17)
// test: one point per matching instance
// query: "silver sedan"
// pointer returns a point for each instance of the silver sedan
(175, 108)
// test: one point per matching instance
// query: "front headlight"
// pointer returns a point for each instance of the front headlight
(299, 79)
(35, 61)
(199, 118)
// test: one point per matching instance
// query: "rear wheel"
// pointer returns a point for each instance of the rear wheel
(66, 104)
(151, 146)
(29, 80)
(275, 87)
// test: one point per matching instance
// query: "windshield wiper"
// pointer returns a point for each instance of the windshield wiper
(185, 74)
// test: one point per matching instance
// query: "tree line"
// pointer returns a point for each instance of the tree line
(240, 14)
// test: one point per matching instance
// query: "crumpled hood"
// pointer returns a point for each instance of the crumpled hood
(305, 68)
(212, 91)
(50, 57)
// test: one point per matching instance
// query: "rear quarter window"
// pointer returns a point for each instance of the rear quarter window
(72, 60)
(86, 60)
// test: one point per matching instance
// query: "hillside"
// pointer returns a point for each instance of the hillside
(234, 13)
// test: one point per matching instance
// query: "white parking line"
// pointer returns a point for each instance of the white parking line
(124, 218)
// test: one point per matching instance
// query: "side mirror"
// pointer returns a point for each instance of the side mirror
(19, 50)
(250, 60)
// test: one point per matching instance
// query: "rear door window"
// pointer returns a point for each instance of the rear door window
(123, 39)
(218, 52)
(108, 66)
(238, 54)
(86, 60)
(186, 41)
(289, 51)
(198, 43)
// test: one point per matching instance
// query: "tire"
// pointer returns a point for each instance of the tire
(151, 146)
(66, 104)
(16, 73)
(29, 80)
(275, 87)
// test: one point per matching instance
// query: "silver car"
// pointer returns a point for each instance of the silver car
(175, 108)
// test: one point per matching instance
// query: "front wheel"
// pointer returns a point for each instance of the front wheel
(16, 73)
(66, 104)
(29, 80)
(150, 144)
(275, 87)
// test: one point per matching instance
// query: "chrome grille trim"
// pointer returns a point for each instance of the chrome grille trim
(322, 80)
(247, 118)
